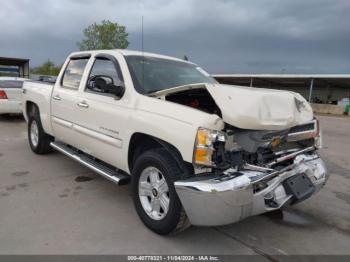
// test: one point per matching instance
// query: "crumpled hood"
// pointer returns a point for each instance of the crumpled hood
(260, 109)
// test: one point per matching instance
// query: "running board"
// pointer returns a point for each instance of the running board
(89, 162)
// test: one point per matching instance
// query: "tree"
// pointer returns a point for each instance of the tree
(47, 68)
(106, 35)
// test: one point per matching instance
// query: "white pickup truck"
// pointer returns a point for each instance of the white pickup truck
(196, 152)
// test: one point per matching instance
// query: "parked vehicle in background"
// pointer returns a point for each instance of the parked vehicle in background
(43, 78)
(197, 152)
(48, 79)
(11, 95)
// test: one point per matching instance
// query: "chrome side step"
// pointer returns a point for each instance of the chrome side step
(104, 170)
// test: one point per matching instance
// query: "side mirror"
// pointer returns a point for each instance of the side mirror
(106, 85)
(100, 82)
(117, 89)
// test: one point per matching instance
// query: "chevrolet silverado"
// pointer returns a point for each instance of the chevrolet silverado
(195, 152)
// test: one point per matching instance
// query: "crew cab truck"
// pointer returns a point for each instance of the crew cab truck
(196, 152)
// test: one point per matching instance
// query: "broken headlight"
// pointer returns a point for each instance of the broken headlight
(311, 130)
(318, 137)
(204, 147)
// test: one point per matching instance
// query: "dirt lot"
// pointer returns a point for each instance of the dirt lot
(51, 205)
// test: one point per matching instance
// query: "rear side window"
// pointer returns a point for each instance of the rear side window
(11, 84)
(74, 72)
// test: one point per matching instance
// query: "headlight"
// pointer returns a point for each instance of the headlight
(205, 146)
(318, 137)
(307, 131)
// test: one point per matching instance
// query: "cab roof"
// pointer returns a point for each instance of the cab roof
(125, 52)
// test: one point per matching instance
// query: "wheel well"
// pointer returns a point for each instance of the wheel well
(31, 108)
(140, 143)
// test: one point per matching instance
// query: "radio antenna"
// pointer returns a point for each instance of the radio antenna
(142, 36)
(143, 53)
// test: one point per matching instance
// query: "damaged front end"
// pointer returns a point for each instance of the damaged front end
(251, 172)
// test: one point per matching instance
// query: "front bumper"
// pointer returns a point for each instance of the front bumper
(221, 200)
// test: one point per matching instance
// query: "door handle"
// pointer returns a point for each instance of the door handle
(57, 98)
(83, 104)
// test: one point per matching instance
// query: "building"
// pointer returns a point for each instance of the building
(18, 67)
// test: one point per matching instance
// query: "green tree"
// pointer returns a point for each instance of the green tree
(47, 68)
(106, 35)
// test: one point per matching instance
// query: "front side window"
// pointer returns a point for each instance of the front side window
(104, 76)
(11, 84)
(74, 72)
(152, 74)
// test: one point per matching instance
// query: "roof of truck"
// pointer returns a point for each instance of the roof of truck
(131, 53)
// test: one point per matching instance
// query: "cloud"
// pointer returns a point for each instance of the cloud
(223, 36)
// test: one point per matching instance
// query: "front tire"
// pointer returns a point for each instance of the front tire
(154, 195)
(39, 141)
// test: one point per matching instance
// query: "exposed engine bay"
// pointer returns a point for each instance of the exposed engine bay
(269, 149)
(267, 154)
(254, 149)
(197, 98)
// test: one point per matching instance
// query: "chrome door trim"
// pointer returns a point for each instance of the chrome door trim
(96, 135)
(62, 122)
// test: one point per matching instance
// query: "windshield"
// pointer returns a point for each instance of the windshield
(151, 74)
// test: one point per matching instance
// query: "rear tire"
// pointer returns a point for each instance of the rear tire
(167, 215)
(39, 141)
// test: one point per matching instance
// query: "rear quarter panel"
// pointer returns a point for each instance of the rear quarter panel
(39, 94)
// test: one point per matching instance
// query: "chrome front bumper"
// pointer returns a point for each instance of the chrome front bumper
(214, 201)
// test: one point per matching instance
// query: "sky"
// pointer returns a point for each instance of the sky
(222, 36)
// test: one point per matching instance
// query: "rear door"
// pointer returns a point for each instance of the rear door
(64, 100)
(13, 89)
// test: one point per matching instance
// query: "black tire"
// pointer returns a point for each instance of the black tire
(176, 219)
(42, 146)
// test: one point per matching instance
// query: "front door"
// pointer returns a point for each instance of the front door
(103, 116)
